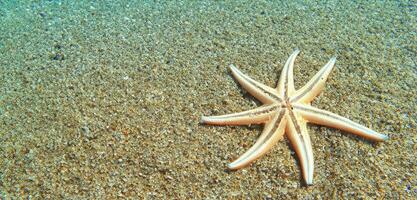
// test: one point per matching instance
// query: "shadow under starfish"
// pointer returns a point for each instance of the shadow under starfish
(287, 110)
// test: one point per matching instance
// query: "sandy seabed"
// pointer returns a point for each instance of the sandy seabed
(102, 99)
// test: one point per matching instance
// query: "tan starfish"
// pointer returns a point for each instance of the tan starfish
(287, 110)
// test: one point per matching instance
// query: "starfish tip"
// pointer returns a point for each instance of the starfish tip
(333, 59)
(233, 166)
(385, 137)
(203, 119)
(230, 166)
(232, 67)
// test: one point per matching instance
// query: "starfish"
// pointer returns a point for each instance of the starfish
(286, 110)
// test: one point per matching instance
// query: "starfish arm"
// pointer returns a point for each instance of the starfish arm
(254, 116)
(285, 85)
(260, 91)
(298, 135)
(273, 131)
(309, 91)
(327, 118)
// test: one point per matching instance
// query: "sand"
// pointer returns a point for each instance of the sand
(102, 100)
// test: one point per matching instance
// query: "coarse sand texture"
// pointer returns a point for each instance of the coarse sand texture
(103, 99)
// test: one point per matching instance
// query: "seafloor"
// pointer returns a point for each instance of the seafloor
(102, 99)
